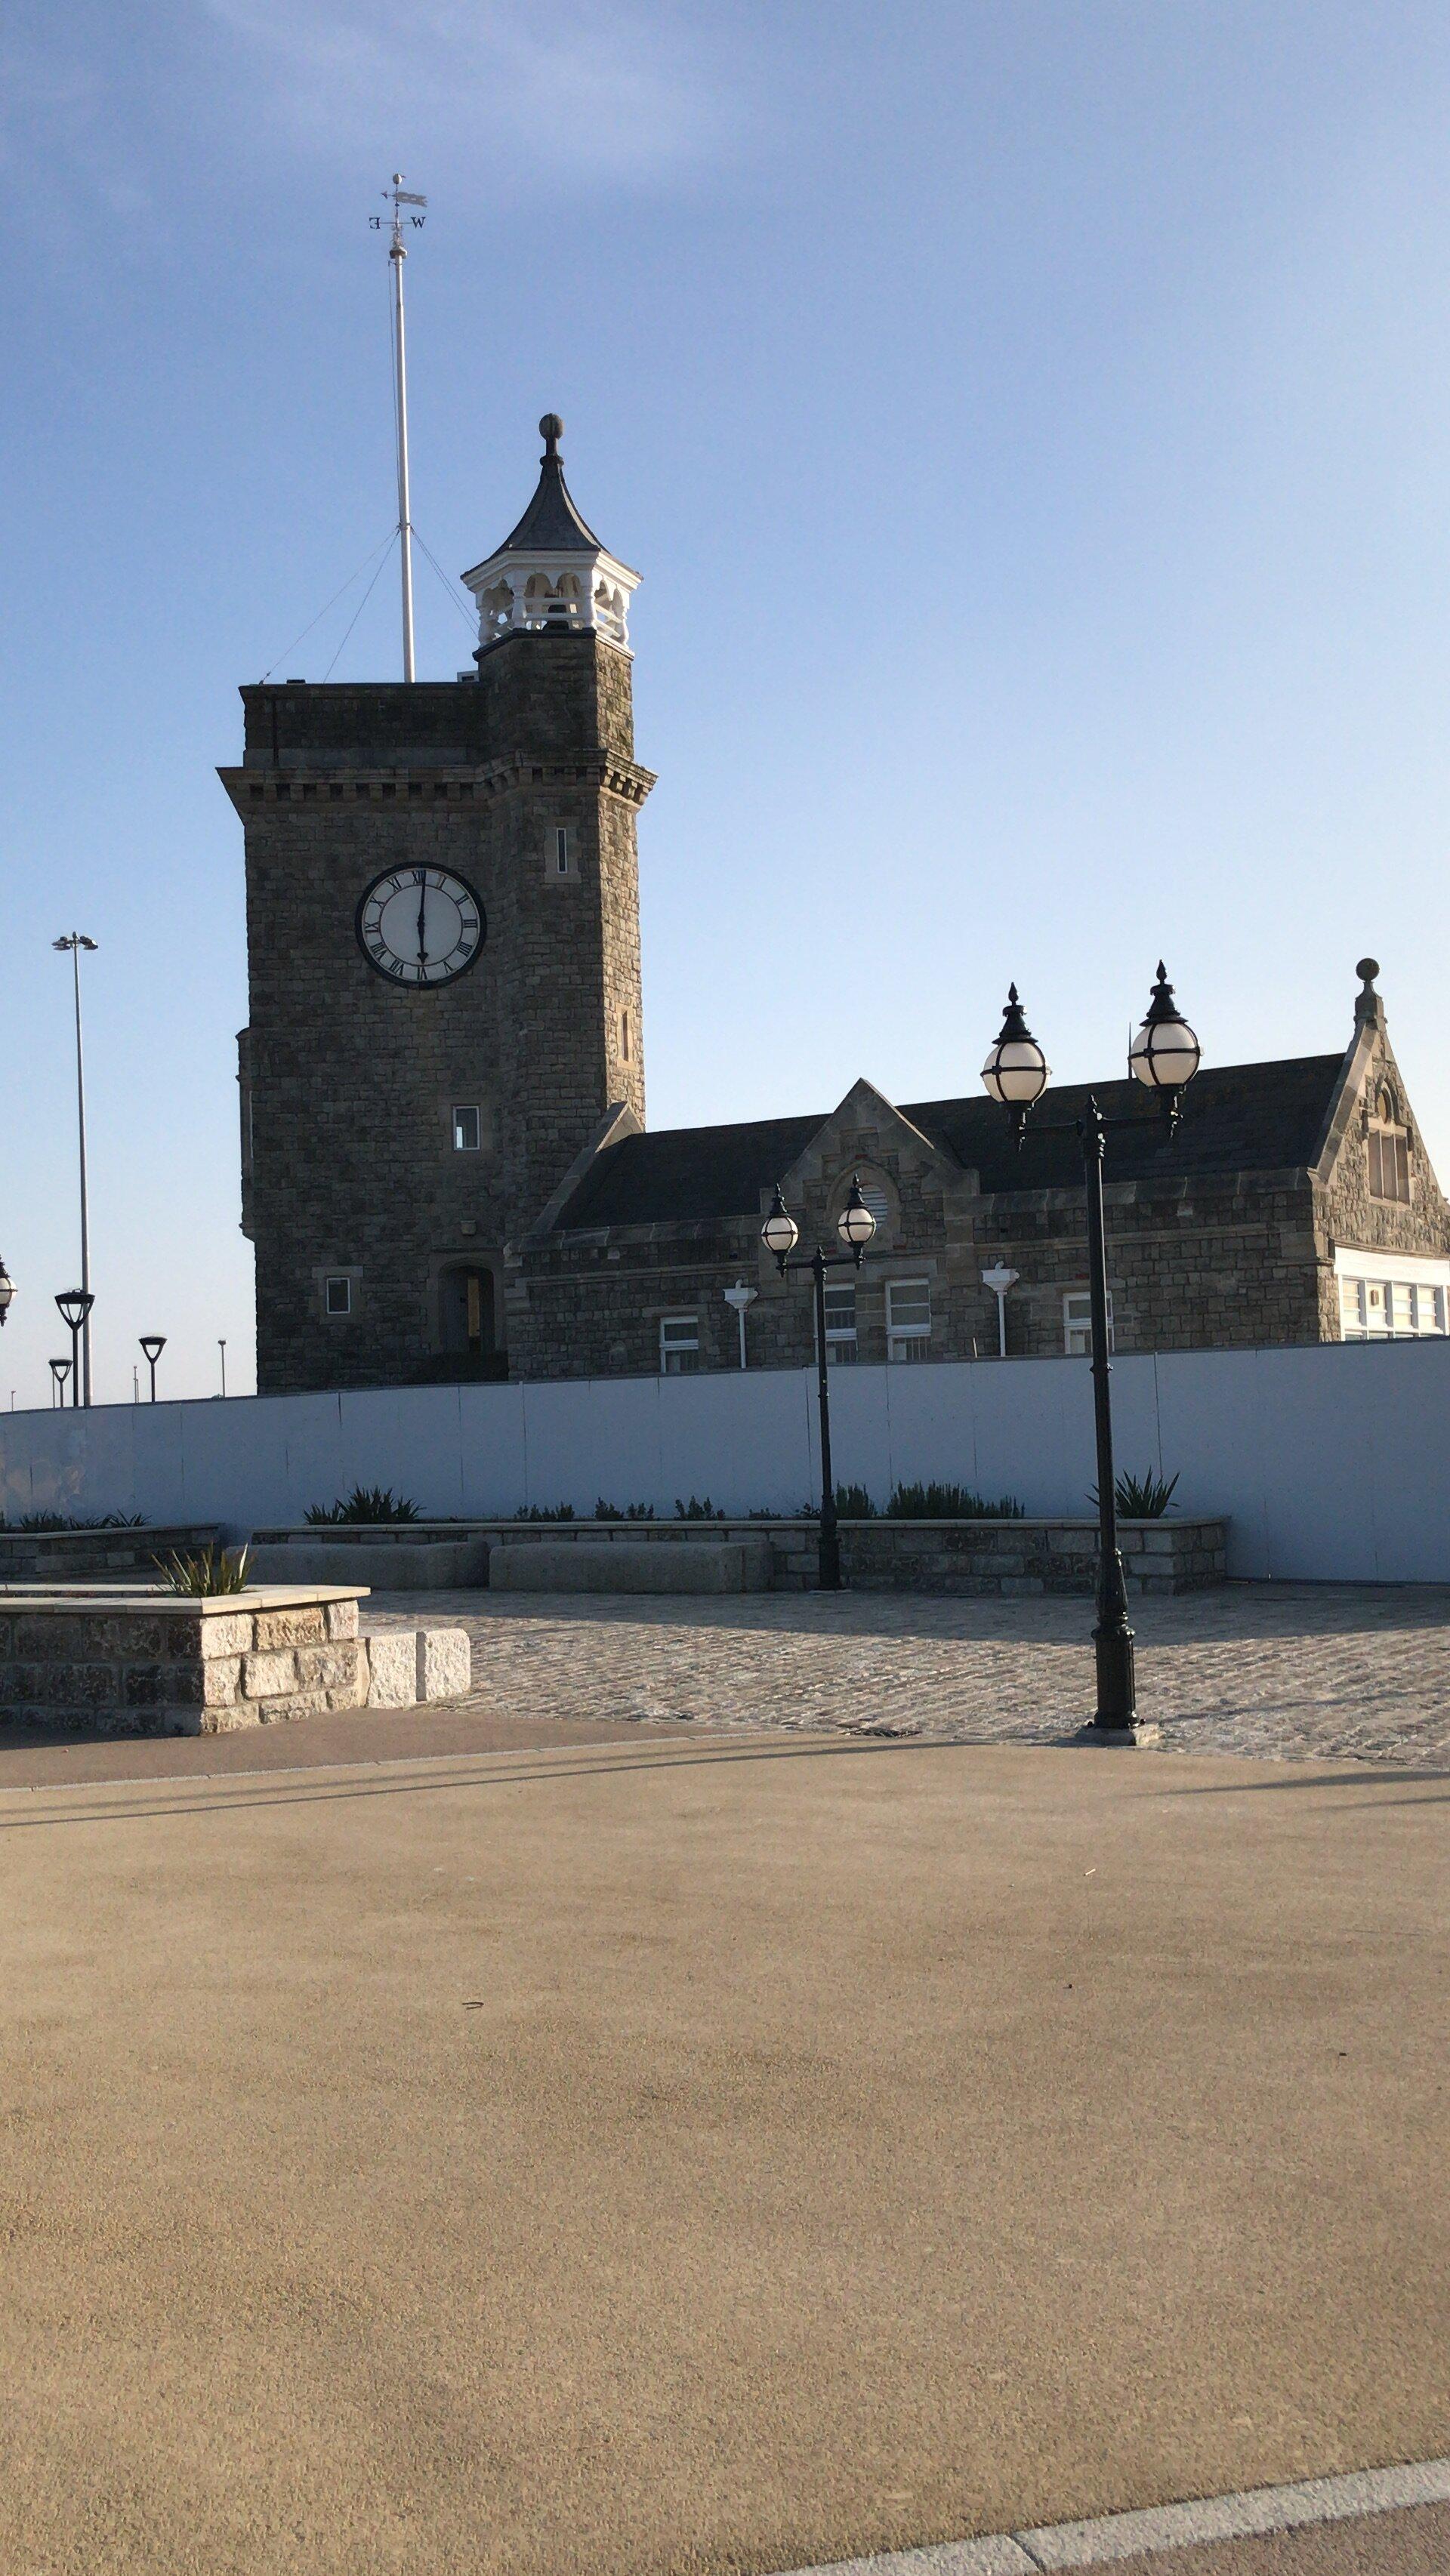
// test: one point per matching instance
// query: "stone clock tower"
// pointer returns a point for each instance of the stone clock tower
(443, 953)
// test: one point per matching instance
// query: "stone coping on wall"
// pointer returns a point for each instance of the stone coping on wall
(111, 1599)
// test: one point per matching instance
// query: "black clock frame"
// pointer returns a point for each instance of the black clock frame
(398, 983)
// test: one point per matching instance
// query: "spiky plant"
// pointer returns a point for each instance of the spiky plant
(210, 1570)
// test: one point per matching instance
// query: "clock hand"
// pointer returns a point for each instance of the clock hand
(422, 922)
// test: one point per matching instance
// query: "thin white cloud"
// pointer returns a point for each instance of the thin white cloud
(577, 92)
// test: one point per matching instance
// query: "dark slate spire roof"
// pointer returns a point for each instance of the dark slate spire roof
(1237, 1118)
(551, 524)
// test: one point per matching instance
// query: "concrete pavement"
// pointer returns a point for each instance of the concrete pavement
(710, 2157)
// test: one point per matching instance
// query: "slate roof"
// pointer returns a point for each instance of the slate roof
(1237, 1118)
(551, 523)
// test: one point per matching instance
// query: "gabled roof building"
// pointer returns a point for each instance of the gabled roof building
(1294, 1203)
(446, 1168)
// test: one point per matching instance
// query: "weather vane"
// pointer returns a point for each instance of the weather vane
(397, 196)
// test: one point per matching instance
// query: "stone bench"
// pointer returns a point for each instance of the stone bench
(381, 1564)
(158, 1663)
(631, 1565)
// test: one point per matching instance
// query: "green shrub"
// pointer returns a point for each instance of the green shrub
(632, 1511)
(212, 1569)
(371, 1503)
(694, 1510)
(545, 1512)
(949, 1503)
(1141, 1498)
(74, 1521)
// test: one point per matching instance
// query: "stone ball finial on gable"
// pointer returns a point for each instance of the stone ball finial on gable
(1369, 1009)
(551, 430)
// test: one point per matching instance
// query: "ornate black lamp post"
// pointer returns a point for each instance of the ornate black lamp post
(75, 1305)
(153, 1344)
(780, 1234)
(1164, 1056)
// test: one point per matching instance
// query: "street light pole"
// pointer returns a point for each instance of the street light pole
(75, 941)
(75, 1305)
(780, 1234)
(152, 1345)
(1164, 1057)
(59, 1372)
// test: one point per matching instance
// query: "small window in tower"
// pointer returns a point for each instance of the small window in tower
(679, 1345)
(561, 851)
(467, 1131)
(337, 1296)
(624, 1035)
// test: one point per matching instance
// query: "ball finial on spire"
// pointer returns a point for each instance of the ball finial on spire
(551, 430)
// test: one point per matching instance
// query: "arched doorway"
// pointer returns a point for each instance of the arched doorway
(467, 1316)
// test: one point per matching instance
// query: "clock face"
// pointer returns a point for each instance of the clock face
(420, 925)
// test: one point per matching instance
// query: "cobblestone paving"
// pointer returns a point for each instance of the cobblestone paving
(1289, 1671)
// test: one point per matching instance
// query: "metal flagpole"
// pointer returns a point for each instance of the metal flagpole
(75, 941)
(398, 197)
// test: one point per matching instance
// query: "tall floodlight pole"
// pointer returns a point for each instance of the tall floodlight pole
(397, 196)
(75, 941)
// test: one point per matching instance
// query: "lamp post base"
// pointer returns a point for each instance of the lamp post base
(1141, 1730)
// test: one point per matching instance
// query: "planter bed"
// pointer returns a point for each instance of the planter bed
(157, 1663)
(1028, 1556)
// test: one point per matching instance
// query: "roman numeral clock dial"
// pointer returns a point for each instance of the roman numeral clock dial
(420, 926)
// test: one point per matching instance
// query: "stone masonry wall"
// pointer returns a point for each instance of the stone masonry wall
(350, 1082)
(1347, 1216)
(178, 1667)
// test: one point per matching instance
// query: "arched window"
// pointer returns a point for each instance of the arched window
(1389, 1149)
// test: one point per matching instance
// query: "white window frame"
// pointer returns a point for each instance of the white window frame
(679, 1341)
(907, 1341)
(1077, 1329)
(842, 1345)
(336, 1279)
(1374, 1276)
(462, 1144)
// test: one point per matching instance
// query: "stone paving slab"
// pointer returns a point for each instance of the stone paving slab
(1288, 1671)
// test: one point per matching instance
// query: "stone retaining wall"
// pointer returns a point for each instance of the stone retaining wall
(159, 1664)
(1169, 1555)
(97, 1555)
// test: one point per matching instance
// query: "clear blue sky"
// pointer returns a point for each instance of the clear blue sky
(1031, 424)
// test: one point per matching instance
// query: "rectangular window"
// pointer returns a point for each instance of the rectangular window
(841, 1323)
(1351, 1309)
(1077, 1323)
(1389, 1166)
(561, 851)
(908, 1319)
(467, 1135)
(1376, 1316)
(337, 1296)
(679, 1345)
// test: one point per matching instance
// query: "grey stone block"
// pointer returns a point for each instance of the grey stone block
(445, 1663)
(393, 1669)
(633, 1565)
(440, 1565)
